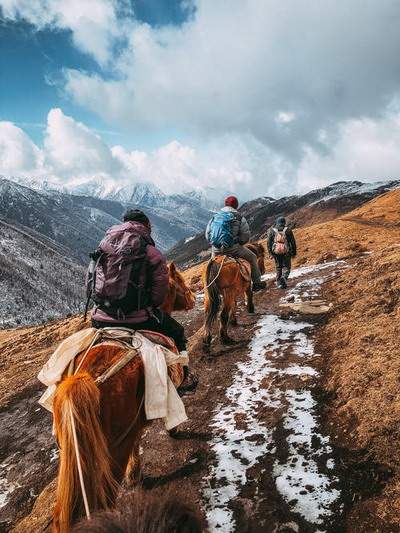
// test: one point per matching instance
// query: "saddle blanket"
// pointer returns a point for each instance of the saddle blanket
(161, 398)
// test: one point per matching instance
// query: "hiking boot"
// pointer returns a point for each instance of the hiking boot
(261, 285)
(281, 283)
(189, 384)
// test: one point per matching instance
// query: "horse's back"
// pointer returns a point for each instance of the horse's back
(121, 394)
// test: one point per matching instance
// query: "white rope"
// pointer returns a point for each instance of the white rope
(78, 461)
(97, 335)
(217, 276)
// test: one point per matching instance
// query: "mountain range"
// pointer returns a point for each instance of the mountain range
(319, 205)
(46, 235)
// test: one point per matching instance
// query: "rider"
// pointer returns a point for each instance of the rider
(240, 235)
(282, 247)
(151, 317)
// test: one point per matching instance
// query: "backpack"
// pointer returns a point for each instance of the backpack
(116, 280)
(280, 245)
(221, 229)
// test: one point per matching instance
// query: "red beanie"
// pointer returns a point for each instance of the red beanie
(232, 201)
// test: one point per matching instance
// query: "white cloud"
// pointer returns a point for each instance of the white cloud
(72, 149)
(276, 97)
(252, 67)
(363, 149)
(77, 159)
(18, 154)
(95, 24)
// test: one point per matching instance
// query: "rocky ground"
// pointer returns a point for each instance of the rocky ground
(294, 428)
(258, 452)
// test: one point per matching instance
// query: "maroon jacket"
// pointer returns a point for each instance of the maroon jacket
(157, 275)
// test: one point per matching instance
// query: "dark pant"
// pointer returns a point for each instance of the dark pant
(161, 322)
(283, 264)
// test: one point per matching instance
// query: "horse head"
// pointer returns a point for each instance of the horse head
(180, 297)
(259, 250)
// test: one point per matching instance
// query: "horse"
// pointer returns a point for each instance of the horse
(231, 279)
(141, 512)
(103, 422)
(179, 297)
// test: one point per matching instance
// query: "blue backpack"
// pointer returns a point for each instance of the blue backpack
(221, 227)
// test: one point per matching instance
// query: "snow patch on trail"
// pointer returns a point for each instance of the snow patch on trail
(281, 348)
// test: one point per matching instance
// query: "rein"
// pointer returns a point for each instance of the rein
(116, 367)
(217, 276)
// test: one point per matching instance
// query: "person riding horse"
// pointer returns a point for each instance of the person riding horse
(228, 231)
(148, 315)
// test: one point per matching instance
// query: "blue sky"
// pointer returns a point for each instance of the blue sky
(260, 97)
(31, 65)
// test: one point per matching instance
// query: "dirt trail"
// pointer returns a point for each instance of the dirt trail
(254, 455)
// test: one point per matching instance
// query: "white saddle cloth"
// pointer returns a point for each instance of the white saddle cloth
(161, 397)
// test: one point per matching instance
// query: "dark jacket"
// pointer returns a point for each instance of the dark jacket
(290, 240)
(156, 276)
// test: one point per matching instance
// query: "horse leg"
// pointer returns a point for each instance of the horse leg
(134, 473)
(207, 328)
(250, 301)
(224, 319)
(233, 319)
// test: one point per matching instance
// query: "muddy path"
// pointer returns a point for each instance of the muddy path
(255, 454)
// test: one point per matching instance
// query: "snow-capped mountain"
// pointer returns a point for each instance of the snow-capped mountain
(315, 206)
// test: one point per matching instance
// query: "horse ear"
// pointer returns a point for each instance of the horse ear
(172, 269)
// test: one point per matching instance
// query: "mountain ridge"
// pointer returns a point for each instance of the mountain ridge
(318, 205)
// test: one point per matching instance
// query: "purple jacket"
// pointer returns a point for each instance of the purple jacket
(156, 271)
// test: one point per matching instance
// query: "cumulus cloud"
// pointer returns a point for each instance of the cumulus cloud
(252, 67)
(362, 148)
(96, 25)
(275, 97)
(18, 154)
(76, 158)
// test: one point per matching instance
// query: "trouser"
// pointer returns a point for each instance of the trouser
(161, 322)
(241, 252)
(283, 264)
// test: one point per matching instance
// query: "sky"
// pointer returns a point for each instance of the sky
(258, 97)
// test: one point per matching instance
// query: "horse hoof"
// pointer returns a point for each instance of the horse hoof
(251, 310)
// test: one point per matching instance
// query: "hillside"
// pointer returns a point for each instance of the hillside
(79, 222)
(317, 206)
(314, 444)
(38, 282)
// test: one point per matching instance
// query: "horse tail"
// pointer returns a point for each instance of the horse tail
(212, 292)
(84, 454)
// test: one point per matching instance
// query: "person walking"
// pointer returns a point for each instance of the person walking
(282, 247)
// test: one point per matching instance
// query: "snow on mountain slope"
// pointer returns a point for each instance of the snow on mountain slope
(70, 217)
(38, 282)
(319, 205)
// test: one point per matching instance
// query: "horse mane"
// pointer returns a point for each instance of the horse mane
(142, 512)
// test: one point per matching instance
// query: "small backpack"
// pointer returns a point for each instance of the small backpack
(280, 245)
(221, 229)
(116, 276)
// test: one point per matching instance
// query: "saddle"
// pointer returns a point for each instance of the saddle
(81, 343)
(244, 266)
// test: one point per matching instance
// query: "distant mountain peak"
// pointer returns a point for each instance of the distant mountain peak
(147, 194)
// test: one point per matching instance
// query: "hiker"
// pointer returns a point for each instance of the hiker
(282, 247)
(142, 282)
(228, 232)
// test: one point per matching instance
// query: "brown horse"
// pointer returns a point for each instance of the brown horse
(104, 421)
(231, 279)
(180, 297)
(144, 512)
